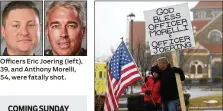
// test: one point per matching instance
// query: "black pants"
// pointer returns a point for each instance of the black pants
(164, 107)
(149, 106)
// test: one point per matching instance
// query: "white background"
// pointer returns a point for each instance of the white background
(80, 83)
(111, 21)
(184, 13)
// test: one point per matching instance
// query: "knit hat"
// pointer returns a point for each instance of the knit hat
(154, 69)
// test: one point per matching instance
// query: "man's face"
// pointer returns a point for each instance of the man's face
(162, 65)
(21, 31)
(64, 31)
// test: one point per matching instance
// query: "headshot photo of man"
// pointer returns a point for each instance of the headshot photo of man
(21, 28)
(65, 28)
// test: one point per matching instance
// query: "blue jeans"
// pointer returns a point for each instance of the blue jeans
(173, 105)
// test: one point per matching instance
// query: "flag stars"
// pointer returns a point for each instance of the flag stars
(119, 59)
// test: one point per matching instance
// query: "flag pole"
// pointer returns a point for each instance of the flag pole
(137, 69)
(107, 66)
(140, 75)
(176, 58)
(136, 66)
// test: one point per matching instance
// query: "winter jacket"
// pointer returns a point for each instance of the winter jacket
(168, 86)
(154, 86)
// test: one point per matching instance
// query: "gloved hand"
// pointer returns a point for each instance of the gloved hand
(148, 92)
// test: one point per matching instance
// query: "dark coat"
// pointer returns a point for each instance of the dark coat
(5, 53)
(168, 88)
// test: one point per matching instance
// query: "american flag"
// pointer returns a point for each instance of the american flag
(122, 73)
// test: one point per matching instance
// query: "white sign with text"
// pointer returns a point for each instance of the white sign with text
(169, 29)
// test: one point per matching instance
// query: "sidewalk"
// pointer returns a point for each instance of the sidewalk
(212, 89)
(206, 108)
(191, 108)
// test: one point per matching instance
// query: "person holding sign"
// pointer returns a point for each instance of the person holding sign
(168, 90)
(151, 88)
(65, 29)
(20, 28)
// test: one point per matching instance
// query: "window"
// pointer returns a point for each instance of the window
(199, 69)
(100, 74)
(201, 15)
(192, 69)
(215, 13)
(105, 74)
(215, 36)
(217, 68)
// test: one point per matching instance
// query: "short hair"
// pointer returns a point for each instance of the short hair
(18, 5)
(163, 60)
(71, 5)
